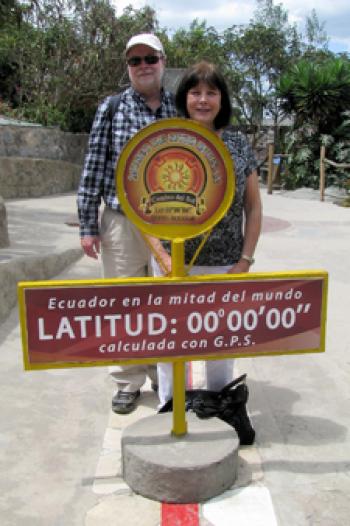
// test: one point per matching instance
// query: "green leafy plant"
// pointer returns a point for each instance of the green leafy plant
(317, 94)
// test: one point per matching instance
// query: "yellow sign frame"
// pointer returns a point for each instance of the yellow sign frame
(22, 286)
(166, 230)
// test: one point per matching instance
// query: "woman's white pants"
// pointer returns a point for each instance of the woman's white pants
(218, 373)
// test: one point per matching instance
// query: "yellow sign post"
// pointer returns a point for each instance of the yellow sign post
(179, 371)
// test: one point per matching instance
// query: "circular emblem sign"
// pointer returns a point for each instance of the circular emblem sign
(175, 179)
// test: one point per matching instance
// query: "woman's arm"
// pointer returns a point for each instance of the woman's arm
(161, 255)
(253, 219)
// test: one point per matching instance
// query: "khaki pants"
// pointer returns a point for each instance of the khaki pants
(125, 254)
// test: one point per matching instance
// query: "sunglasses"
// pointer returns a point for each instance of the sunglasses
(148, 59)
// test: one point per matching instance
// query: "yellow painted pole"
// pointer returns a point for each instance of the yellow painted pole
(179, 368)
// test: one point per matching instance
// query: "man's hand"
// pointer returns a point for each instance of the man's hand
(91, 246)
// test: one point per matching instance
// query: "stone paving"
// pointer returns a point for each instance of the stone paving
(60, 441)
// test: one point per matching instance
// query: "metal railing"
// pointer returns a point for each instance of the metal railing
(273, 169)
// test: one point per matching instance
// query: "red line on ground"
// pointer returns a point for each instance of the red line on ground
(179, 515)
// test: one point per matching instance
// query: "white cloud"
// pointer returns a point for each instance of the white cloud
(225, 13)
(221, 17)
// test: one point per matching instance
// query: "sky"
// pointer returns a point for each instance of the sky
(173, 14)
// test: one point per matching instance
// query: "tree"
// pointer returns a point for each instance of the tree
(69, 55)
(260, 53)
(318, 95)
(270, 15)
(58, 58)
(257, 55)
(315, 32)
(198, 43)
(10, 25)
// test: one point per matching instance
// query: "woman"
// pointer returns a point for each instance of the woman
(202, 96)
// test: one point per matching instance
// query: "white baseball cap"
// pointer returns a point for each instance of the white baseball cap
(148, 39)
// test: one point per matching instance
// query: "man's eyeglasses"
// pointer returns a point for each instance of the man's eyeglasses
(148, 59)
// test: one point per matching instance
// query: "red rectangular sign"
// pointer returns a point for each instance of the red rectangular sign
(98, 324)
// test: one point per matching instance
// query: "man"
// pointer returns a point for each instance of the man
(123, 250)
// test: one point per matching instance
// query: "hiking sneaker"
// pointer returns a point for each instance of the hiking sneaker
(124, 402)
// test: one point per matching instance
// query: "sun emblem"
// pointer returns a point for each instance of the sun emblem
(174, 176)
(175, 171)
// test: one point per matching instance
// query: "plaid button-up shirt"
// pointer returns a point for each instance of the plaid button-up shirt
(105, 144)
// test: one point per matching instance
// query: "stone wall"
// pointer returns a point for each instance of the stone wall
(4, 237)
(25, 177)
(37, 161)
(38, 142)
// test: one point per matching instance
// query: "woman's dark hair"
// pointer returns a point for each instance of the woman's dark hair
(204, 72)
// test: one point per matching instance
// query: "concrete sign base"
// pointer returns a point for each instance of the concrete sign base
(191, 468)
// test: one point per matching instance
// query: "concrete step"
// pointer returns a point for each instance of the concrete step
(44, 240)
